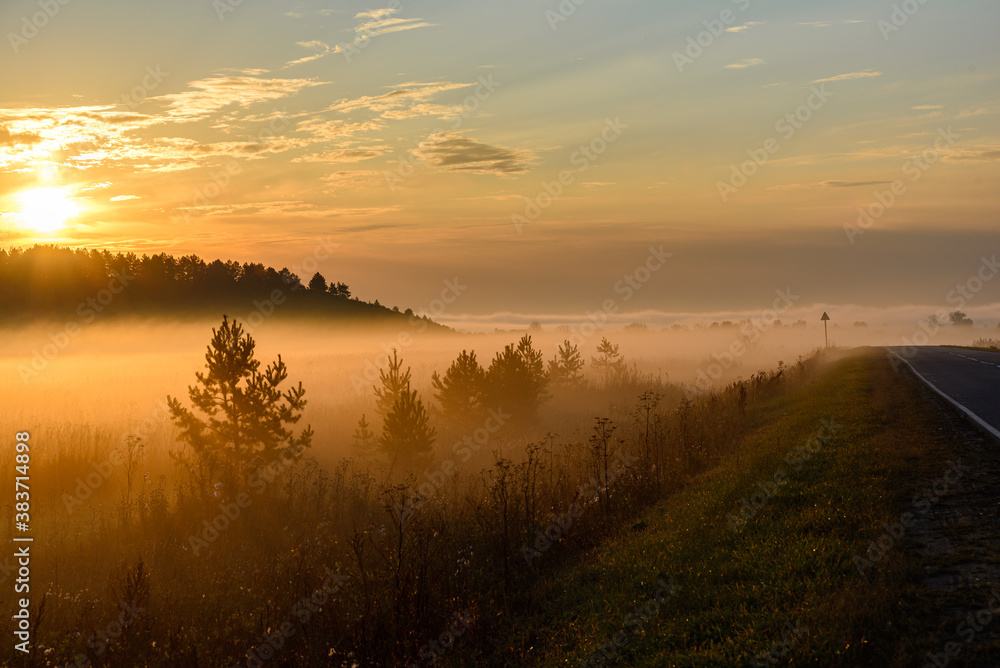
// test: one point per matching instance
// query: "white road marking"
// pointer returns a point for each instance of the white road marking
(975, 418)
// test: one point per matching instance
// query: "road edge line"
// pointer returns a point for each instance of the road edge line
(978, 420)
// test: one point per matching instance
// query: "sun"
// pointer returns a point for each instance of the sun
(46, 209)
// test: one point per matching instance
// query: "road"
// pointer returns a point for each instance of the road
(969, 379)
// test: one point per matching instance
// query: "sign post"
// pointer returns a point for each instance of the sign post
(826, 332)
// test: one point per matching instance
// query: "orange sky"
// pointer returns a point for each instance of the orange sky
(535, 153)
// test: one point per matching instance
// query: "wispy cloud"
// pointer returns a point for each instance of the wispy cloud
(744, 27)
(743, 64)
(847, 77)
(827, 24)
(404, 101)
(207, 96)
(927, 107)
(373, 23)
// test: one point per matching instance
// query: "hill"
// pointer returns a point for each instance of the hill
(57, 282)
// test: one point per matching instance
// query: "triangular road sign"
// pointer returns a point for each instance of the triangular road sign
(825, 316)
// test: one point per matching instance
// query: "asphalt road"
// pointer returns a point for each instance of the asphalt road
(969, 379)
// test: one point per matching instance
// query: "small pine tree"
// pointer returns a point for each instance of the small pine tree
(460, 390)
(394, 381)
(610, 363)
(565, 367)
(407, 437)
(243, 412)
(364, 440)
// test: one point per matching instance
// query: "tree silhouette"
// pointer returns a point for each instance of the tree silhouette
(516, 381)
(460, 390)
(394, 381)
(364, 439)
(317, 283)
(242, 412)
(959, 319)
(407, 437)
(609, 363)
(565, 367)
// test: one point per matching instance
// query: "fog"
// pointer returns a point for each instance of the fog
(112, 378)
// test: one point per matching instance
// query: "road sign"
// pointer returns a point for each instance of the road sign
(826, 319)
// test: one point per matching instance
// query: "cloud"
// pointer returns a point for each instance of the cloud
(455, 152)
(852, 184)
(848, 77)
(208, 96)
(744, 27)
(927, 107)
(828, 184)
(405, 101)
(122, 198)
(346, 155)
(8, 138)
(827, 24)
(374, 23)
(354, 179)
(975, 155)
(743, 64)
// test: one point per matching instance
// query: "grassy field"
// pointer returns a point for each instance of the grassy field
(697, 584)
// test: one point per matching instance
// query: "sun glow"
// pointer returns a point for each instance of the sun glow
(46, 209)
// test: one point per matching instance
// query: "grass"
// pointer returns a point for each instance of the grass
(786, 581)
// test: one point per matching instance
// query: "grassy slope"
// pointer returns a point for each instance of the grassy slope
(790, 564)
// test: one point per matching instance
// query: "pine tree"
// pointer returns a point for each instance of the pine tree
(610, 363)
(460, 390)
(565, 367)
(516, 381)
(364, 439)
(317, 283)
(395, 382)
(407, 437)
(243, 413)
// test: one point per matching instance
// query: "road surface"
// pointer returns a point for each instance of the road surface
(969, 379)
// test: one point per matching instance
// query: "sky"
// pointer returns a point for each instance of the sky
(552, 158)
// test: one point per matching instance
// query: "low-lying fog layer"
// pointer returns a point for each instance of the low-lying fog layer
(112, 379)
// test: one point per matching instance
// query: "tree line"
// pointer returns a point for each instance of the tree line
(52, 280)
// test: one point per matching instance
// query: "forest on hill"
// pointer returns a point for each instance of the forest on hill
(52, 281)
